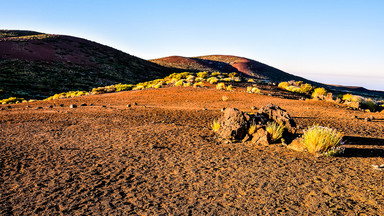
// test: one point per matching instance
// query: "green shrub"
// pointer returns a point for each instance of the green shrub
(323, 140)
(371, 105)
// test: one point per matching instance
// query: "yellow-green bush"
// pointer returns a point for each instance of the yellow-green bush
(123, 87)
(11, 100)
(322, 140)
(221, 86)
(180, 82)
(203, 75)
(215, 125)
(352, 98)
(275, 131)
(212, 80)
(319, 92)
(283, 85)
(69, 94)
(198, 84)
(229, 87)
(215, 73)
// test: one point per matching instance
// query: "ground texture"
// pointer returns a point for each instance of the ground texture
(160, 157)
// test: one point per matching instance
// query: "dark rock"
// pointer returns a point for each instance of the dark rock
(9, 107)
(103, 106)
(354, 117)
(367, 119)
(135, 104)
(2, 108)
(27, 106)
(83, 104)
(62, 105)
(372, 117)
(205, 108)
(128, 105)
(253, 108)
(73, 106)
(222, 109)
(233, 124)
(50, 106)
(91, 104)
(39, 107)
(279, 115)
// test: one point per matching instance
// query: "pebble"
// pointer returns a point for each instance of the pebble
(104, 106)
(83, 104)
(50, 106)
(367, 119)
(254, 108)
(223, 109)
(135, 104)
(128, 105)
(73, 106)
(205, 108)
(39, 107)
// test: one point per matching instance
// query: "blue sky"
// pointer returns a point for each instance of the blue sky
(331, 41)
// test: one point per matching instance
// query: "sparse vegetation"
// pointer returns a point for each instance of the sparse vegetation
(322, 140)
(225, 98)
(215, 126)
(221, 86)
(11, 100)
(252, 129)
(319, 93)
(275, 131)
(70, 94)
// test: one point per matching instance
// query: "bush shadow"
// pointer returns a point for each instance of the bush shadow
(370, 151)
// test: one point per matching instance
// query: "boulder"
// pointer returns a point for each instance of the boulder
(279, 115)
(297, 145)
(260, 137)
(233, 124)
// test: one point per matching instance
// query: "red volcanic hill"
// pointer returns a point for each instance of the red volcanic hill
(227, 63)
(36, 65)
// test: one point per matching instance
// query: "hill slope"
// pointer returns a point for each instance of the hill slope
(37, 65)
(227, 64)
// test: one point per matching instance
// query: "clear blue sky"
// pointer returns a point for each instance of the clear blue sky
(331, 41)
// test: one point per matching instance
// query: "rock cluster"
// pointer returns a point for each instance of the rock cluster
(235, 124)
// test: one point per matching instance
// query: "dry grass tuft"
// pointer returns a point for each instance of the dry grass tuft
(215, 125)
(319, 139)
(275, 131)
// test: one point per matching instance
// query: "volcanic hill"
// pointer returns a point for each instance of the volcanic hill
(227, 64)
(36, 65)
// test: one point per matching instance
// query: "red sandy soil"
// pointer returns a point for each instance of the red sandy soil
(160, 157)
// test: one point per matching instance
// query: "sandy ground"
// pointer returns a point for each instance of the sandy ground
(160, 157)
